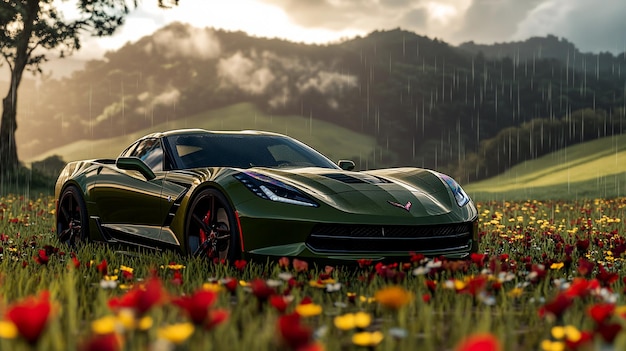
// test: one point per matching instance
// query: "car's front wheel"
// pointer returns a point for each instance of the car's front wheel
(72, 218)
(212, 227)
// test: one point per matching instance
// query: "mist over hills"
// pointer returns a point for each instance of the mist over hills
(472, 111)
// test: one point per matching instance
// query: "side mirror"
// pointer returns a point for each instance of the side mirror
(135, 164)
(346, 165)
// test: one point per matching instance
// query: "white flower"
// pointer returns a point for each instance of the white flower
(421, 271)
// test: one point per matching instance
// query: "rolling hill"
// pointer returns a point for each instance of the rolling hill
(333, 141)
(592, 169)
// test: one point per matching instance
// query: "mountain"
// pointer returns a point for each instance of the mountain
(549, 47)
(425, 102)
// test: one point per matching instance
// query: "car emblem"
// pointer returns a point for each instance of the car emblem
(407, 207)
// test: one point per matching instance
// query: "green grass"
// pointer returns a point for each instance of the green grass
(588, 170)
(537, 243)
(333, 141)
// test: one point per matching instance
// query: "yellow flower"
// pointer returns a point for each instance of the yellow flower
(214, 287)
(104, 325)
(548, 345)
(308, 309)
(8, 330)
(367, 339)
(367, 299)
(316, 284)
(176, 333)
(568, 332)
(557, 265)
(126, 269)
(351, 320)
(393, 297)
(126, 317)
(145, 323)
(516, 292)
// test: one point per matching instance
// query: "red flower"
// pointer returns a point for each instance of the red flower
(231, 284)
(177, 278)
(102, 267)
(241, 264)
(261, 290)
(141, 299)
(299, 265)
(279, 302)
(585, 337)
(606, 278)
(364, 262)
(432, 286)
(197, 305)
(582, 245)
(479, 342)
(608, 332)
(105, 342)
(426, 298)
(557, 307)
(478, 259)
(475, 285)
(415, 257)
(283, 262)
(42, 258)
(294, 334)
(75, 260)
(126, 275)
(601, 312)
(216, 317)
(30, 316)
(581, 287)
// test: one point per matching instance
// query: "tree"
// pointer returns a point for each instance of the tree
(29, 28)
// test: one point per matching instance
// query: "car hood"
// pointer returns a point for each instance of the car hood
(402, 192)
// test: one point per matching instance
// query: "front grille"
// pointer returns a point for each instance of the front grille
(380, 239)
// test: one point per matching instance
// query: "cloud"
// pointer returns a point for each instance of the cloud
(245, 73)
(185, 41)
(281, 78)
(590, 25)
(147, 102)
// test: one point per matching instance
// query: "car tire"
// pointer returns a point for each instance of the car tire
(211, 229)
(72, 218)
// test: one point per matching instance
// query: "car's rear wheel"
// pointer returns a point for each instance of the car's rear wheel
(72, 218)
(212, 227)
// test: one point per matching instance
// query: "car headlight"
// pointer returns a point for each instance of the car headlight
(271, 189)
(459, 194)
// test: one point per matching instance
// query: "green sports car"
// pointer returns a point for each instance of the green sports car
(230, 195)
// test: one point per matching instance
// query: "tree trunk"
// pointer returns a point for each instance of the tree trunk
(8, 124)
(8, 148)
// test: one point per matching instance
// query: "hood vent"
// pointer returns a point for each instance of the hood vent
(362, 178)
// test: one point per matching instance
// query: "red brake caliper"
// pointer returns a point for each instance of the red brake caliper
(207, 236)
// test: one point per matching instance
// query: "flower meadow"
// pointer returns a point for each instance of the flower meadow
(548, 276)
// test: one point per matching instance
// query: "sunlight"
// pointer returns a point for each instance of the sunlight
(442, 13)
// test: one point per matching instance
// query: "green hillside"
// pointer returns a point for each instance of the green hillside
(333, 141)
(589, 170)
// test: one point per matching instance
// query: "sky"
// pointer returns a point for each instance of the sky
(593, 26)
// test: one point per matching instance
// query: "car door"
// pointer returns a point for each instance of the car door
(130, 206)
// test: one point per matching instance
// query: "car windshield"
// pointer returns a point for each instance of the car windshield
(243, 151)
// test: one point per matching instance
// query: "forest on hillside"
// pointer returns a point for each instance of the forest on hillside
(472, 111)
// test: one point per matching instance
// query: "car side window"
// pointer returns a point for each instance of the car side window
(129, 150)
(150, 152)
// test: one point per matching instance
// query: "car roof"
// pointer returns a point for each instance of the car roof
(204, 131)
